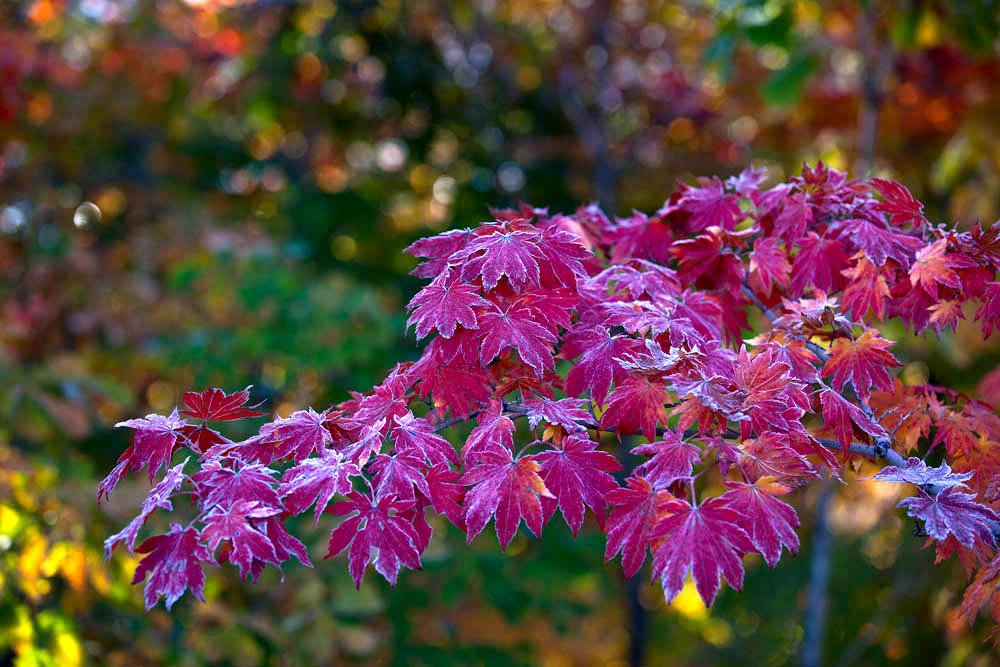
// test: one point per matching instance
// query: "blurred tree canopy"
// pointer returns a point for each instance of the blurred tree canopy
(201, 193)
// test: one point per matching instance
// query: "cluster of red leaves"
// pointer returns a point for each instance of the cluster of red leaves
(579, 325)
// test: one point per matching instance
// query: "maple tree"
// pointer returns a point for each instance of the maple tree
(552, 329)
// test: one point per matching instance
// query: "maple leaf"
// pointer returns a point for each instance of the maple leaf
(599, 363)
(879, 244)
(508, 489)
(563, 251)
(494, 434)
(952, 512)
(863, 362)
(567, 413)
(443, 305)
(159, 497)
(438, 249)
(635, 509)
(899, 203)
(397, 475)
(298, 436)
(769, 265)
(935, 266)
(710, 206)
(818, 264)
(576, 474)
(514, 327)
(984, 588)
(989, 312)
(637, 403)
(866, 290)
(769, 522)
(771, 455)
(247, 543)
(455, 386)
(316, 480)
(416, 435)
(368, 441)
(704, 540)
(154, 440)
(946, 314)
(285, 545)
(500, 253)
(446, 493)
(795, 218)
(375, 531)
(225, 485)
(641, 237)
(839, 413)
(672, 459)
(173, 562)
(215, 405)
(916, 471)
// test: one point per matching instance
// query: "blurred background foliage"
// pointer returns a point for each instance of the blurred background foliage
(200, 193)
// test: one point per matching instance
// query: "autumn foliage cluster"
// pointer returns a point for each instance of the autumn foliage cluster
(549, 330)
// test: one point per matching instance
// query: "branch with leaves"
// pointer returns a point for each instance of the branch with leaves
(555, 333)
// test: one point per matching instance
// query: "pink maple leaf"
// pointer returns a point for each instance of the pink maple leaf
(375, 531)
(599, 363)
(672, 459)
(247, 543)
(514, 326)
(508, 489)
(638, 403)
(769, 265)
(500, 253)
(494, 434)
(154, 440)
(443, 305)
(159, 497)
(227, 483)
(916, 471)
(417, 435)
(576, 474)
(567, 413)
(316, 480)
(704, 540)
(635, 509)
(397, 475)
(298, 436)
(769, 522)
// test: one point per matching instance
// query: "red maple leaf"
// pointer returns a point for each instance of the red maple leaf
(397, 475)
(672, 459)
(863, 362)
(635, 510)
(818, 264)
(173, 562)
(879, 244)
(795, 218)
(899, 203)
(514, 326)
(935, 266)
(946, 314)
(316, 480)
(508, 489)
(443, 305)
(247, 543)
(952, 512)
(154, 440)
(368, 441)
(599, 363)
(704, 540)
(768, 265)
(989, 312)
(376, 532)
(454, 386)
(839, 413)
(710, 206)
(494, 434)
(285, 545)
(446, 493)
(298, 436)
(637, 403)
(577, 475)
(215, 405)
(417, 435)
(866, 290)
(769, 522)
(771, 455)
